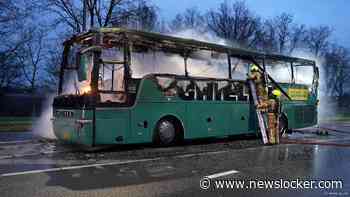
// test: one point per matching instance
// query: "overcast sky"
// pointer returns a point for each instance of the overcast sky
(335, 13)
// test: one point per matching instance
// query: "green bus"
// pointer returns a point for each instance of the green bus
(120, 86)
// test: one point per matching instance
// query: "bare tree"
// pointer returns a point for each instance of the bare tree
(298, 37)
(337, 67)
(193, 18)
(53, 62)
(9, 70)
(13, 15)
(190, 19)
(31, 56)
(283, 25)
(235, 23)
(266, 37)
(318, 39)
(70, 12)
(177, 24)
(137, 14)
(162, 27)
(281, 35)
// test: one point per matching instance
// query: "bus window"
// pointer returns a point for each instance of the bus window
(202, 90)
(304, 74)
(222, 86)
(155, 62)
(235, 91)
(111, 77)
(240, 68)
(245, 96)
(207, 92)
(207, 64)
(170, 86)
(167, 85)
(192, 90)
(77, 78)
(279, 71)
(186, 91)
(230, 92)
(165, 82)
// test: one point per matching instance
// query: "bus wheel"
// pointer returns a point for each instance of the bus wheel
(165, 132)
(283, 125)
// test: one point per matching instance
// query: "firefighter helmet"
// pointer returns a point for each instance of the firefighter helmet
(254, 68)
(277, 93)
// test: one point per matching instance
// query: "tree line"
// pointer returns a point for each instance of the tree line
(31, 33)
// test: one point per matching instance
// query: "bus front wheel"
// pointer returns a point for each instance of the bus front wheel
(167, 132)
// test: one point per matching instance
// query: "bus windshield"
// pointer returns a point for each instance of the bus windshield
(78, 73)
(285, 72)
(304, 74)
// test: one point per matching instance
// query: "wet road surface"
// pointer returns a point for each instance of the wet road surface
(15, 136)
(50, 169)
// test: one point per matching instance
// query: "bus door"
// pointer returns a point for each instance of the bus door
(111, 117)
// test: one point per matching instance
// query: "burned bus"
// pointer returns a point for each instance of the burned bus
(120, 86)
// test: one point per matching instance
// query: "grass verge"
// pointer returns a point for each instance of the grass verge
(16, 124)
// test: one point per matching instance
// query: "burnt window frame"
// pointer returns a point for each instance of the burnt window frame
(196, 97)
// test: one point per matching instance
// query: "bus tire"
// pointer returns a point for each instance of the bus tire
(283, 125)
(168, 131)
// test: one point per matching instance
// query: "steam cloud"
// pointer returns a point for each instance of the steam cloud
(43, 126)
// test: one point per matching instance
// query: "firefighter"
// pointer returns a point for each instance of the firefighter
(273, 116)
(259, 81)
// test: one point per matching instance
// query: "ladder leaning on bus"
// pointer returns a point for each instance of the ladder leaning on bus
(268, 102)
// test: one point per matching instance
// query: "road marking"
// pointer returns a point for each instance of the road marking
(77, 167)
(105, 164)
(213, 176)
(200, 154)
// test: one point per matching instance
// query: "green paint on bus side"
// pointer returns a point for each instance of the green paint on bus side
(199, 119)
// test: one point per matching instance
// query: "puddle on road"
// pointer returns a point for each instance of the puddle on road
(294, 154)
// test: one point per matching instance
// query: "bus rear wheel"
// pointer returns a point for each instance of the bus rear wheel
(167, 132)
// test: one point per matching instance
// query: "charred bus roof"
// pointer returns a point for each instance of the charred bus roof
(146, 40)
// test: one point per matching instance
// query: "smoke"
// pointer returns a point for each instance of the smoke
(204, 36)
(42, 127)
(160, 62)
(156, 62)
(200, 63)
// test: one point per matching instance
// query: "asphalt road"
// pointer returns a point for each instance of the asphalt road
(49, 169)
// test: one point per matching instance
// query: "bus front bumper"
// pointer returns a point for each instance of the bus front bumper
(73, 130)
